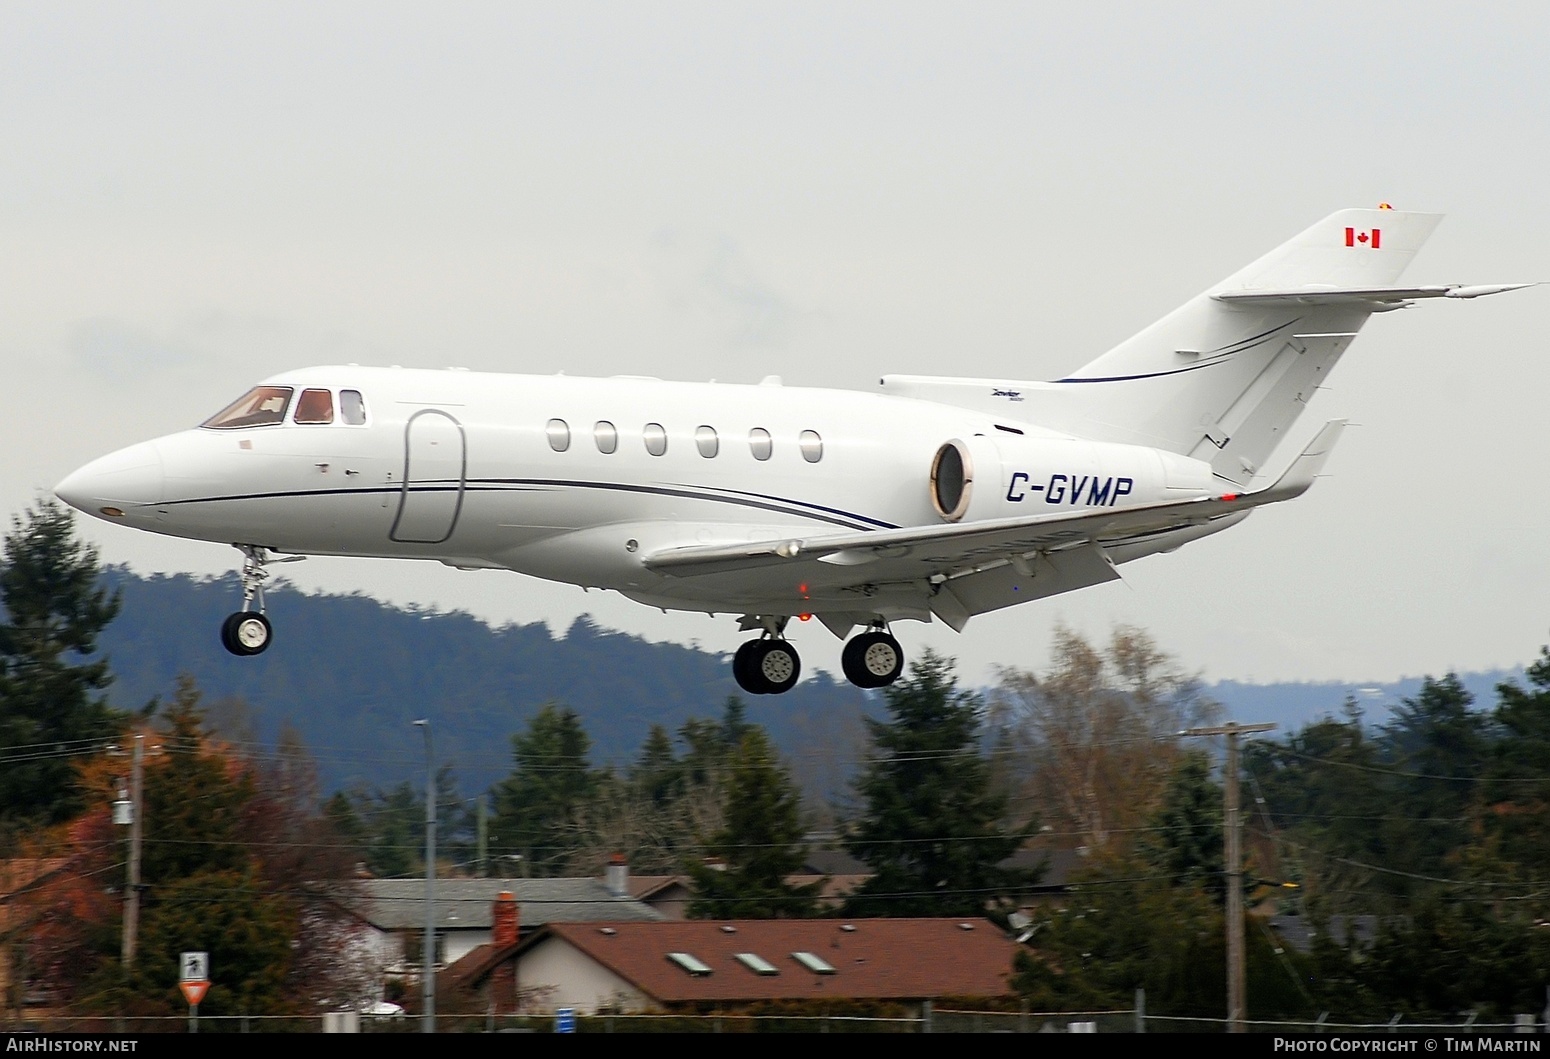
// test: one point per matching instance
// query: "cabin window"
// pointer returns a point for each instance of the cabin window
(261, 406)
(759, 442)
(811, 445)
(558, 432)
(352, 407)
(315, 406)
(705, 439)
(606, 436)
(656, 438)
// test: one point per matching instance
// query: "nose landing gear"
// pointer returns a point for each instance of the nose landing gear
(248, 632)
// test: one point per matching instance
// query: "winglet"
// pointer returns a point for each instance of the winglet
(1296, 479)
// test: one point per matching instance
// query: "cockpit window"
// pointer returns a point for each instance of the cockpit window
(260, 407)
(315, 406)
(352, 407)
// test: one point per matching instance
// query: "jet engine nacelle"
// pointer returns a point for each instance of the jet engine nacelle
(987, 477)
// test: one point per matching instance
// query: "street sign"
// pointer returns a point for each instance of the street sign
(195, 967)
(194, 976)
(565, 1020)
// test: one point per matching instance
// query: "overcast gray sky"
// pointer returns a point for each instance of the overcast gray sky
(195, 196)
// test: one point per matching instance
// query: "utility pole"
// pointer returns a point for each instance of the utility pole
(482, 831)
(428, 969)
(1236, 1004)
(136, 818)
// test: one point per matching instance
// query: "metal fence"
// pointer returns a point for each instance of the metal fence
(929, 1020)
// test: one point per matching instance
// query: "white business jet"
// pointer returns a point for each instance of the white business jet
(933, 498)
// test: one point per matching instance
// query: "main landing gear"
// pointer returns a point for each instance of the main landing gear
(248, 632)
(872, 660)
(770, 665)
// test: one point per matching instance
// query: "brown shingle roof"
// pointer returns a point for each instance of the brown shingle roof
(872, 958)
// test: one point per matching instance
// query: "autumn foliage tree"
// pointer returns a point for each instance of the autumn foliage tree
(1096, 737)
(236, 862)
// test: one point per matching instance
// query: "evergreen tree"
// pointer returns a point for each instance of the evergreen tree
(535, 807)
(1439, 744)
(54, 609)
(195, 801)
(665, 802)
(759, 844)
(1325, 787)
(387, 828)
(1188, 840)
(655, 775)
(931, 830)
(1519, 781)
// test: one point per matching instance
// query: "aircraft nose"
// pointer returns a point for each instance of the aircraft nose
(127, 479)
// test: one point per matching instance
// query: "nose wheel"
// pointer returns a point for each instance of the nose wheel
(246, 632)
(872, 660)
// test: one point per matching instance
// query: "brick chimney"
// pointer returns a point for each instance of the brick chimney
(505, 923)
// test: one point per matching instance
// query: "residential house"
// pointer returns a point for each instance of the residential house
(633, 966)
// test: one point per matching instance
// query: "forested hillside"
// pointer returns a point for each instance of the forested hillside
(351, 674)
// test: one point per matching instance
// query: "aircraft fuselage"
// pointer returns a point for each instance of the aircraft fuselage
(578, 480)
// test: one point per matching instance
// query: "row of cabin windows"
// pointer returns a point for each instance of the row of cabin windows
(654, 435)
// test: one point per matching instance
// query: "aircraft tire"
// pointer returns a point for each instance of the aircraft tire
(246, 633)
(872, 660)
(777, 666)
(744, 669)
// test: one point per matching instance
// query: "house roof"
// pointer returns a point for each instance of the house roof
(645, 887)
(467, 904)
(475, 964)
(899, 959)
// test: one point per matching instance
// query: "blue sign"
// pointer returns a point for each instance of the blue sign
(565, 1020)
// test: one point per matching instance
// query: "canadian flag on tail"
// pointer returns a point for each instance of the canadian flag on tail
(1372, 239)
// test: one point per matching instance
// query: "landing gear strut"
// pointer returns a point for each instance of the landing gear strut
(873, 659)
(248, 632)
(768, 665)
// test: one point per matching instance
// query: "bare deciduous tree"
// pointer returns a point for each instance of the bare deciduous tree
(1096, 737)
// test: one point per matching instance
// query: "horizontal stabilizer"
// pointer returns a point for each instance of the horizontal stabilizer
(1317, 295)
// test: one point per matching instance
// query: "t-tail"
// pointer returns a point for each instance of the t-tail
(1223, 377)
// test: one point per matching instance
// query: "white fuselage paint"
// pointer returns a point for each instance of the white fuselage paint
(486, 488)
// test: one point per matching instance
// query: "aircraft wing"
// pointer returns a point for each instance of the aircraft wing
(951, 550)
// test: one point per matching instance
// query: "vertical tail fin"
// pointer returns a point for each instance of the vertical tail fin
(1222, 380)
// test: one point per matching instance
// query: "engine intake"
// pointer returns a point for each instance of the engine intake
(952, 480)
